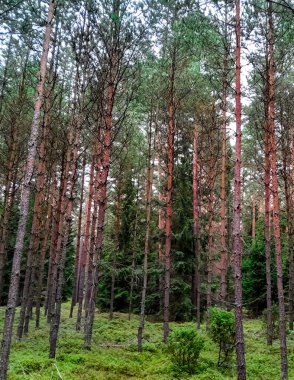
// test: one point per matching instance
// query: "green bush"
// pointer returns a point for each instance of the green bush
(222, 332)
(184, 346)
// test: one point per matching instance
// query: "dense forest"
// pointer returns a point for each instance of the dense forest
(146, 189)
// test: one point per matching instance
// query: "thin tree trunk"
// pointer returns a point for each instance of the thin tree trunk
(43, 253)
(115, 250)
(267, 229)
(237, 247)
(64, 229)
(24, 203)
(149, 182)
(210, 221)
(196, 227)
(276, 217)
(133, 256)
(27, 298)
(170, 164)
(84, 252)
(78, 253)
(253, 218)
(224, 252)
(291, 245)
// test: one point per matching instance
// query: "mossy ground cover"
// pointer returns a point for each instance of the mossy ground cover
(114, 357)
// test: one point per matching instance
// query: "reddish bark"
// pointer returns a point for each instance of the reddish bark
(106, 142)
(237, 246)
(276, 210)
(24, 203)
(210, 221)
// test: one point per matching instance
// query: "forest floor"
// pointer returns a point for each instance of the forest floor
(114, 357)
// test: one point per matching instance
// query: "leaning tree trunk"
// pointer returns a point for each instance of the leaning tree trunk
(24, 202)
(276, 217)
(237, 247)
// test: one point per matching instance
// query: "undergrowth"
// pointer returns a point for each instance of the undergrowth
(114, 353)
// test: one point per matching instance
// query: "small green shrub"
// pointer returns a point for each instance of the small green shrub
(184, 346)
(222, 332)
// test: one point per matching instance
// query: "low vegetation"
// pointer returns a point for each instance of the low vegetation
(114, 353)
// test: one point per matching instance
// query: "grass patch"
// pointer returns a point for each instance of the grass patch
(114, 353)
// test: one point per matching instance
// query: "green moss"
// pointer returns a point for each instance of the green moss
(114, 353)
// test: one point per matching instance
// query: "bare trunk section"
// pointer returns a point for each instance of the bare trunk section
(24, 203)
(149, 182)
(237, 245)
(253, 218)
(170, 164)
(64, 228)
(291, 244)
(78, 246)
(224, 251)
(32, 259)
(116, 249)
(210, 221)
(134, 255)
(267, 228)
(196, 228)
(105, 163)
(276, 210)
(85, 245)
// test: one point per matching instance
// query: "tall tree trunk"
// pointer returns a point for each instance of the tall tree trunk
(170, 164)
(196, 228)
(267, 227)
(29, 283)
(116, 248)
(43, 251)
(85, 245)
(253, 218)
(237, 247)
(106, 146)
(224, 252)
(276, 217)
(291, 244)
(64, 229)
(149, 182)
(78, 253)
(210, 221)
(7, 206)
(134, 255)
(24, 203)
